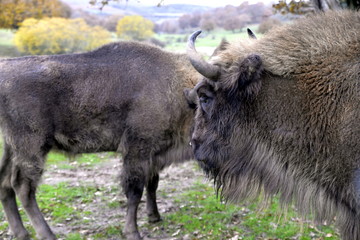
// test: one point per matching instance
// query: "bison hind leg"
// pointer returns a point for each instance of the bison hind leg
(27, 163)
(25, 189)
(8, 197)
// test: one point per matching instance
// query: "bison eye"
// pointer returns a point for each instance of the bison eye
(205, 103)
(204, 99)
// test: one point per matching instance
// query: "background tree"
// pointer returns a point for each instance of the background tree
(317, 4)
(236, 22)
(110, 22)
(195, 20)
(305, 6)
(92, 19)
(207, 22)
(58, 35)
(135, 27)
(13, 12)
(223, 15)
(168, 26)
(268, 24)
(184, 21)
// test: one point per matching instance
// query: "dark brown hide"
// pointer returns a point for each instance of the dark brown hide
(283, 118)
(125, 97)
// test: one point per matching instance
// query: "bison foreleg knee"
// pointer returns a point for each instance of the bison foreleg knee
(133, 185)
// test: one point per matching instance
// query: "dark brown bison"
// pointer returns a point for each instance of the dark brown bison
(281, 115)
(125, 97)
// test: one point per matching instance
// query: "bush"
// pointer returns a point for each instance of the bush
(134, 27)
(58, 35)
(13, 12)
(268, 24)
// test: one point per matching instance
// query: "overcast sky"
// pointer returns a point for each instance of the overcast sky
(210, 3)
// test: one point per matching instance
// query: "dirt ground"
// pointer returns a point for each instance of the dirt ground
(173, 180)
(107, 205)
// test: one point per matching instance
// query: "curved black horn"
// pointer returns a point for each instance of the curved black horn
(251, 34)
(204, 68)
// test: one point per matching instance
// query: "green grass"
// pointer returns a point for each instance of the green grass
(111, 232)
(6, 37)
(202, 216)
(177, 42)
(57, 202)
(64, 161)
(199, 214)
(7, 47)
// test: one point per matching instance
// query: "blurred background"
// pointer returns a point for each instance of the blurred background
(35, 27)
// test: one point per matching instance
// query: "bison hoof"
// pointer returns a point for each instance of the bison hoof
(154, 218)
(133, 236)
(22, 237)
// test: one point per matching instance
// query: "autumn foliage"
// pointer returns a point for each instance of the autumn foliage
(58, 35)
(13, 12)
(134, 27)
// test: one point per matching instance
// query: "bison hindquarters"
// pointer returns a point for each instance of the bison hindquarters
(123, 97)
(22, 181)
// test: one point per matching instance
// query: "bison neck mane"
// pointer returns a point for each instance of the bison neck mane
(303, 143)
(295, 48)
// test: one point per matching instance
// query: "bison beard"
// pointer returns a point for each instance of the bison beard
(125, 97)
(280, 115)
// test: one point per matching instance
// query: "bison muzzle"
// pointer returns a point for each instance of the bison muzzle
(281, 115)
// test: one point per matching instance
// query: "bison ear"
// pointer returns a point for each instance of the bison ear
(222, 47)
(245, 75)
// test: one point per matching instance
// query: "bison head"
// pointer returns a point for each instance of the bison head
(224, 100)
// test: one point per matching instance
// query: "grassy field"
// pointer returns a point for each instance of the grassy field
(80, 209)
(7, 48)
(177, 42)
(194, 212)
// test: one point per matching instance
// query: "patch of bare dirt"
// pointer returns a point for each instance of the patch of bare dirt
(105, 177)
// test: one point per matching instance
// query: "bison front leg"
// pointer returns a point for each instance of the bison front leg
(24, 181)
(133, 182)
(151, 206)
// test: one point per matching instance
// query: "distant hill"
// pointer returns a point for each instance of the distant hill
(154, 13)
(157, 14)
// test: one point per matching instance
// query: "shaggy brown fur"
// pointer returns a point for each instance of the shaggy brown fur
(124, 97)
(283, 118)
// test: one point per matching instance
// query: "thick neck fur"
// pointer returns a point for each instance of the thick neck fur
(287, 50)
(302, 141)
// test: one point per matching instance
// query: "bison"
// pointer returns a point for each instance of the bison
(125, 97)
(281, 116)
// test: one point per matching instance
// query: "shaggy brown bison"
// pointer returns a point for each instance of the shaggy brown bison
(125, 97)
(281, 115)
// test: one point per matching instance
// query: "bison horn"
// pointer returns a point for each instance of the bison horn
(251, 34)
(204, 68)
